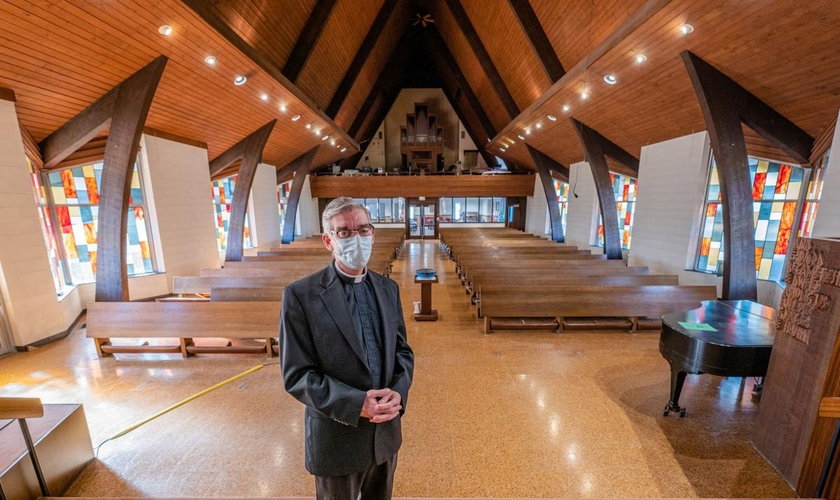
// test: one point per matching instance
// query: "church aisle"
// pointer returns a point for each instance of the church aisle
(503, 415)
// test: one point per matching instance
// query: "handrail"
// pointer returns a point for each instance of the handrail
(15, 408)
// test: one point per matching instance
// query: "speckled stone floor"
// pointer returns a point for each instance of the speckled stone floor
(517, 414)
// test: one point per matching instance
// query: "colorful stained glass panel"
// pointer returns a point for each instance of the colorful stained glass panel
(222, 192)
(624, 188)
(562, 190)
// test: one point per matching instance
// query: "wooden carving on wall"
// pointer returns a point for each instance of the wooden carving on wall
(806, 276)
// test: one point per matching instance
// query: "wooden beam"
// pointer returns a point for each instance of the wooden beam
(368, 44)
(308, 39)
(392, 73)
(534, 32)
(593, 148)
(448, 65)
(174, 137)
(755, 114)
(479, 139)
(250, 150)
(7, 95)
(79, 130)
(633, 22)
(207, 11)
(730, 151)
(483, 56)
(299, 167)
(129, 107)
(545, 164)
(616, 152)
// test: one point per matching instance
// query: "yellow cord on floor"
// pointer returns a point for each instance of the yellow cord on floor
(182, 403)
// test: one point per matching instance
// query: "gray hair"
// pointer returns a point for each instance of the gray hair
(340, 205)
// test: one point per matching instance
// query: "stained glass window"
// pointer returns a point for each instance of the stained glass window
(562, 190)
(283, 191)
(812, 198)
(74, 195)
(624, 188)
(222, 193)
(776, 188)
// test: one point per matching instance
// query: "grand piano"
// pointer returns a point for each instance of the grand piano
(739, 346)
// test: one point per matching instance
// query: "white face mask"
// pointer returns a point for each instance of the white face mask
(354, 252)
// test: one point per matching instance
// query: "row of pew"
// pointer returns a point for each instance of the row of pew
(519, 281)
(237, 306)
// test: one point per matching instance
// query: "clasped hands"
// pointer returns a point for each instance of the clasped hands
(381, 405)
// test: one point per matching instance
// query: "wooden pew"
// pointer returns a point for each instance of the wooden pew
(247, 294)
(504, 307)
(184, 285)
(184, 321)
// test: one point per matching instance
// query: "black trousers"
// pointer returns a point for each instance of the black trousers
(374, 483)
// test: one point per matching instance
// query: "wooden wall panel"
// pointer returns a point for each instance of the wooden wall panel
(508, 46)
(429, 185)
(784, 62)
(271, 27)
(374, 65)
(57, 67)
(341, 38)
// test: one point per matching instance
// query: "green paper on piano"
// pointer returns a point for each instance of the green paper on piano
(704, 327)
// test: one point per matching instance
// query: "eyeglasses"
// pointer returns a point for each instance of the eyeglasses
(344, 233)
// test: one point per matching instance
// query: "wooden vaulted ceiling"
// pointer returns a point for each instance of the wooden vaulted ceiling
(60, 55)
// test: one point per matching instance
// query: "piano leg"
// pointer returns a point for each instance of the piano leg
(677, 381)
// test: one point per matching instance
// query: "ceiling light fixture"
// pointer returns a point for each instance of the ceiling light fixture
(332, 143)
(325, 137)
(343, 149)
(610, 79)
(520, 137)
(308, 126)
(211, 60)
(527, 131)
(264, 97)
(240, 80)
(283, 108)
(566, 108)
(686, 29)
(585, 95)
(539, 125)
(165, 30)
(318, 133)
(640, 58)
(502, 149)
(552, 118)
(512, 142)
(296, 118)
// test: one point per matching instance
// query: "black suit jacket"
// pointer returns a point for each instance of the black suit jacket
(324, 367)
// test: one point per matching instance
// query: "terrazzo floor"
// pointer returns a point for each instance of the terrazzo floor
(516, 414)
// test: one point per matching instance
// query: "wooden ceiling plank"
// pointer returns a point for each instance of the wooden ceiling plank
(480, 52)
(633, 22)
(308, 39)
(360, 58)
(539, 41)
(450, 65)
(205, 12)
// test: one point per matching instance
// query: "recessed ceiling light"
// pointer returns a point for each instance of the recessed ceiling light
(337, 146)
(332, 143)
(264, 97)
(165, 30)
(520, 137)
(318, 133)
(552, 118)
(686, 29)
(502, 150)
(584, 96)
(325, 137)
(539, 125)
(488, 139)
(308, 126)
(640, 58)
(211, 60)
(240, 80)
(512, 142)
(566, 108)
(294, 118)
(610, 79)
(527, 131)
(343, 149)
(282, 108)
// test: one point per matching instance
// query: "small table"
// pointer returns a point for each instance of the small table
(426, 311)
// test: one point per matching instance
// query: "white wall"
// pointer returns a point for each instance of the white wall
(180, 201)
(307, 220)
(266, 214)
(537, 209)
(582, 218)
(375, 150)
(827, 223)
(26, 284)
(467, 143)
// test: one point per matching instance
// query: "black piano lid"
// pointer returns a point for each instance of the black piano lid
(739, 323)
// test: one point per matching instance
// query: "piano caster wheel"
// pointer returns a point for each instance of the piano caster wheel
(668, 409)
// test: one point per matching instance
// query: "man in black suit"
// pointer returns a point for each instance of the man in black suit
(344, 354)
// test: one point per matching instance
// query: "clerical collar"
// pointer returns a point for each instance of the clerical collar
(349, 278)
